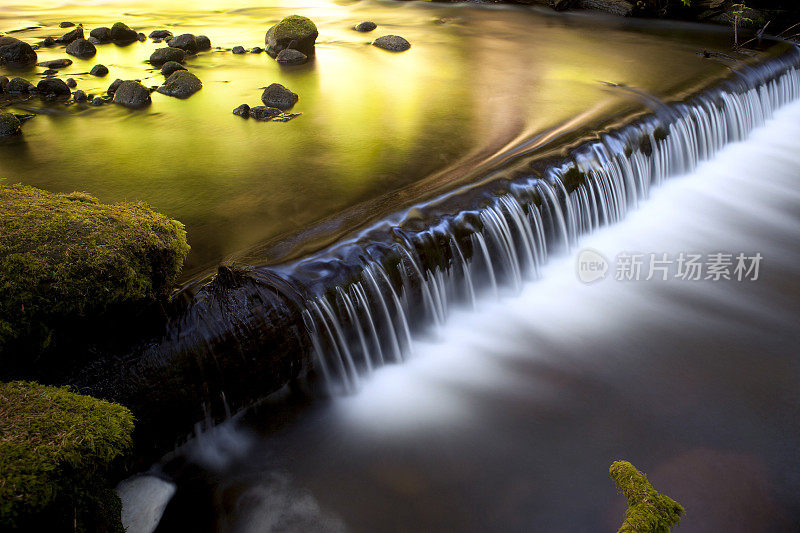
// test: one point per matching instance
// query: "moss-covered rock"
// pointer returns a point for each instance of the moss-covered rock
(296, 32)
(66, 256)
(56, 450)
(648, 511)
(9, 125)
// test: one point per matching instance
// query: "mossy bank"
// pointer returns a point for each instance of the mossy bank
(58, 453)
(66, 259)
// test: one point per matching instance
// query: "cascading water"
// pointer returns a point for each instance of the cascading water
(368, 321)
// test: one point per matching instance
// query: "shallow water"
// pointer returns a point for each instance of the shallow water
(377, 131)
(507, 417)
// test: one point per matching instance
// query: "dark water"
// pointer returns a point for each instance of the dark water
(378, 130)
(507, 417)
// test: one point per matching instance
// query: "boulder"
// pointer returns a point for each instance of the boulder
(70, 36)
(99, 71)
(238, 50)
(242, 111)
(3, 83)
(20, 86)
(291, 57)
(82, 49)
(181, 84)
(79, 96)
(121, 33)
(113, 87)
(55, 63)
(186, 42)
(203, 43)
(17, 54)
(276, 95)
(170, 67)
(295, 32)
(365, 26)
(132, 94)
(165, 55)
(264, 113)
(53, 88)
(393, 43)
(9, 125)
(101, 35)
(161, 34)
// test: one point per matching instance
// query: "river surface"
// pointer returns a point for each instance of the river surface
(507, 417)
(378, 130)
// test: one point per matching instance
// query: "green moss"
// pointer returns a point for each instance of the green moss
(648, 511)
(295, 27)
(56, 448)
(67, 255)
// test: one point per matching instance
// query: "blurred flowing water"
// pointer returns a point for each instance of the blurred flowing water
(378, 131)
(507, 417)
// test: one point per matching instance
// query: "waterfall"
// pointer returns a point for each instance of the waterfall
(410, 281)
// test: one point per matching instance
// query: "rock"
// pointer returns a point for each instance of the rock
(365, 26)
(203, 43)
(256, 50)
(620, 8)
(9, 125)
(66, 25)
(170, 67)
(186, 42)
(55, 63)
(73, 35)
(295, 32)
(48, 41)
(17, 55)
(53, 88)
(82, 49)
(79, 96)
(181, 84)
(122, 33)
(141, 37)
(71, 83)
(161, 34)
(3, 83)
(113, 87)
(20, 86)
(99, 71)
(242, 111)
(264, 113)
(393, 43)
(132, 94)
(238, 50)
(291, 57)
(276, 95)
(97, 101)
(165, 55)
(101, 35)
(50, 72)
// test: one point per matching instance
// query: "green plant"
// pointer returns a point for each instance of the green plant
(648, 511)
(738, 11)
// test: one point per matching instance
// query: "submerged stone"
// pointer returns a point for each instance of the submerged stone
(19, 86)
(71, 83)
(181, 84)
(291, 57)
(242, 111)
(121, 33)
(132, 94)
(53, 88)
(81, 48)
(264, 113)
(113, 87)
(170, 67)
(276, 95)
(393, 43)
(17, 54)
(167, 54)
(79, 96)
(9, 125)
(365, 26)
(295, 31)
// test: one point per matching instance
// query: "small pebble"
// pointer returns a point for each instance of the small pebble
(66, 24)
(71, 83)
(365, 26)
(79, 96)
(242, 111)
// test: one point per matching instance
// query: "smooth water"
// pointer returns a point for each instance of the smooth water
(378, 131)
(507, 417)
